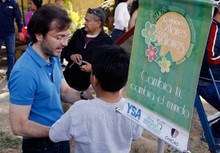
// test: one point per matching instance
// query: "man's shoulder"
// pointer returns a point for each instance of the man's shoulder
(12, 1)
(79, 32)
(105, 36)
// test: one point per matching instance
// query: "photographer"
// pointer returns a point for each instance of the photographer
(82, 46)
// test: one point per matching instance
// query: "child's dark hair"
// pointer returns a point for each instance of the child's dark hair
(110, 65)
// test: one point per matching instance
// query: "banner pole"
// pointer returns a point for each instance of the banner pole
(160, 147)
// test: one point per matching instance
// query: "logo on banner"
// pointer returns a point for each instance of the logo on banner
(174, 133)
(154, 125)
(170, 39)
(134, 112)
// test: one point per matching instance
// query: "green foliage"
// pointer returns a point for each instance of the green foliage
(67, 5)
(77, 18)
(108, 6)
(8, 141)
(77, 21)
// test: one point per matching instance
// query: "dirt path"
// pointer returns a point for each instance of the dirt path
(146, 144)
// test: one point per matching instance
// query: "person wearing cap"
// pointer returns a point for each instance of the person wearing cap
(206, 88)
(81, 47)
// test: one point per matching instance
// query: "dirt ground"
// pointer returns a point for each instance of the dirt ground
(146, 144)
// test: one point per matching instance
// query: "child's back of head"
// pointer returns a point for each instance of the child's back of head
(110, 66)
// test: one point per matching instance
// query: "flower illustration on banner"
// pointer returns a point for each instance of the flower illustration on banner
(168, 39)
(149, 32)
(151, 53)
(164, 65)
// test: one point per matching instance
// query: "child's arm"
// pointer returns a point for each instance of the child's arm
(60, 130)
(137, 132)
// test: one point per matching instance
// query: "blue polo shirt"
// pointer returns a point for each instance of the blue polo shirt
(35, 82)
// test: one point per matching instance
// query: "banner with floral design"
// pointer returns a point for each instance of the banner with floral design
(168, 46)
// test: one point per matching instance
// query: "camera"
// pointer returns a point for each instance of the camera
(80, 63)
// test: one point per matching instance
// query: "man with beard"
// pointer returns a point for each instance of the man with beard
(82, 46)
(37, 84)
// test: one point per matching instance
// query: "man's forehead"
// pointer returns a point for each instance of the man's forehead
(55, 26)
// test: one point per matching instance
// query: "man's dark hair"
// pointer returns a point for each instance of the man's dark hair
(110, 65)
(43, 18)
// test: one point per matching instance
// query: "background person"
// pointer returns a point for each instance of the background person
(211, 59)
(59, 3)
(133, 13)
(33, 6)
(94, 124)
(36, 88)
(10, 12)
(82, 46)
(121, 19)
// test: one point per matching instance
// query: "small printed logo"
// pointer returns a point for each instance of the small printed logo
(134, 112)
(174, 133)
(10, 7)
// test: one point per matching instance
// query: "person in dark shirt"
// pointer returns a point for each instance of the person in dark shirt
(206, 88)
(10, 12)
(81, 47)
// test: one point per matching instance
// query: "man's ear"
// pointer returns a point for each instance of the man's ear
(39, 36)
(99, 23)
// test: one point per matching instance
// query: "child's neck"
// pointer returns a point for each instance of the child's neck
(109, 97)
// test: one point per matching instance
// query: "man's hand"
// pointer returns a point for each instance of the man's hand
(86, 67)
(76, 58)
(20, 36)
(89, 93)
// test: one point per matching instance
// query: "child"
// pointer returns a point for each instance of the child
(94, 124)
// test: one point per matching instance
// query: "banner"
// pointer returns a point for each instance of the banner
(168, 46)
